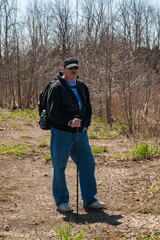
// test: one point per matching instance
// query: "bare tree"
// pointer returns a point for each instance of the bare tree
(38, 46)
(8, 22)
(117, 46)
(148, 16)
(62, 25)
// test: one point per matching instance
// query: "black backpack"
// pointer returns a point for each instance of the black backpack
(44, 122)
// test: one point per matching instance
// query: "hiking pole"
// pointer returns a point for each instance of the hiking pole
(77, 170)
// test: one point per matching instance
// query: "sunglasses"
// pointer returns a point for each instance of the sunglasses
(73, 68)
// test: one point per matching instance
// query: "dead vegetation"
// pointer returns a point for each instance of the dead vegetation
(131, 189)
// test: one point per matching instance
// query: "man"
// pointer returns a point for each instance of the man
(69, 108)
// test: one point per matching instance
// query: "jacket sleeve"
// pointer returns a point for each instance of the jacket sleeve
(88, 110)
(54, 106)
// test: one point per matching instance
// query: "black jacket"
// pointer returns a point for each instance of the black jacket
(63, 105)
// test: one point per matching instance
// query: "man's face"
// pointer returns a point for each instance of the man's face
(70, 74)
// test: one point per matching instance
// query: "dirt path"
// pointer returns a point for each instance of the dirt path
(27, 208)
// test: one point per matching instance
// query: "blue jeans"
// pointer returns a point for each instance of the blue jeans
(63, 145)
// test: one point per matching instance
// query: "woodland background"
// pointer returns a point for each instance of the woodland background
(117, 45)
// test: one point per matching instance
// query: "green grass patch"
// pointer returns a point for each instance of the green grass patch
(66, 233)
(146, 210)
(20, 114)
(139, 152)
(98, 121)
(152, 236)
(18, 149)
(26, 134)
(34, 150)
(14, 149)
(103, 132)
(144, 151)
(118, 155)
(28, 122)
(101, 129)
(154, 190)
(42, 144)
(151, 191)
(47, 158)
(99, 149)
